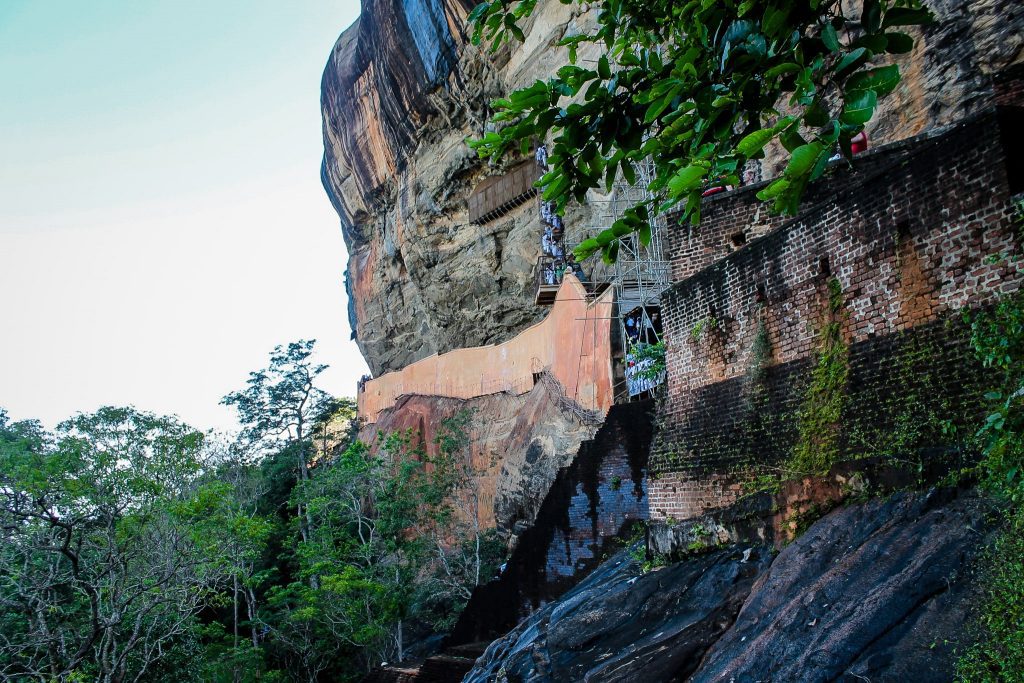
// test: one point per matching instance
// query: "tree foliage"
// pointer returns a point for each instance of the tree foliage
(137, 548)
(998, 340)
(698, 88)
(105, 560)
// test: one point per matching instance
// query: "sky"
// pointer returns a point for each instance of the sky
(162, 222)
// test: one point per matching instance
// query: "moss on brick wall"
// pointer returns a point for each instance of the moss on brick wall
(839, 334)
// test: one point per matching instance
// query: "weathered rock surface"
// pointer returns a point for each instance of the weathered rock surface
(401, 92)
(421, 278)
(517, 444)
(592, 502)
(877, 591)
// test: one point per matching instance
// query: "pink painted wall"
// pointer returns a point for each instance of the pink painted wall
(574, 342)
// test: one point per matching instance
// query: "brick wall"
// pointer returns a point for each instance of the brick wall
(730, 219)
(887, 257)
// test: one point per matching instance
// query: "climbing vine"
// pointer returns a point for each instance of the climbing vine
(817, 446)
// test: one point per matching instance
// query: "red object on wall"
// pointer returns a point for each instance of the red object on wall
(859, 143)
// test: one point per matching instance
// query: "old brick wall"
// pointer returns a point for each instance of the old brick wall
(731, 219)
(886, 260)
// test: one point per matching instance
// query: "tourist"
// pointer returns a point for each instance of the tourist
(574, 267)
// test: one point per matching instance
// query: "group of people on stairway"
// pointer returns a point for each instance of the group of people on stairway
(556, 262)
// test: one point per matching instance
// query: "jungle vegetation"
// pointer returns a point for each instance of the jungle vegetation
(137, 548)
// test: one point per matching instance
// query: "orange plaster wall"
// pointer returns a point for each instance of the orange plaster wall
(574, 342)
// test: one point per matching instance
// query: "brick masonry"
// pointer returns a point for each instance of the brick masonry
(911, 235)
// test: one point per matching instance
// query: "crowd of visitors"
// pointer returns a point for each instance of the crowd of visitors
(642, 325)
(556, 262)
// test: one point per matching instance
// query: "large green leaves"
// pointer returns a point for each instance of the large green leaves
(686, 179)
(882, 80)
(859, 108)
(695, 88)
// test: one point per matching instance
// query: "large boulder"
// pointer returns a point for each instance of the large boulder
(877, 591)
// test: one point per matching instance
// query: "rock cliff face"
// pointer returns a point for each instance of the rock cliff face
(401, 92)
(878, 591)
(517, 444)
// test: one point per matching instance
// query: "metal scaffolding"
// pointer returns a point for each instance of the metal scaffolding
(640, 273)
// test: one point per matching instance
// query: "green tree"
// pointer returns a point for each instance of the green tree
(103, 564)
(240, 534)
(464, 553)
(998, 340)
(280, 405)
(698, 88)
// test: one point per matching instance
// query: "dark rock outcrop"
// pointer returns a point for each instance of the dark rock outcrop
(877, 591)
(591, 502)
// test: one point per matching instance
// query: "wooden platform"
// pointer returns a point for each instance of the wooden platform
(546, 294)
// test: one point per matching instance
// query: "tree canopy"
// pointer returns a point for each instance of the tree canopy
(135, 547)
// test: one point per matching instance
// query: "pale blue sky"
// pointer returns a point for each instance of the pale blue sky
(162, 224)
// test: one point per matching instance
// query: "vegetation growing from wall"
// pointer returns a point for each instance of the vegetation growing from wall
(649, 361)
(699, 88)
(818, 420)
(998, 339)
(918, 414)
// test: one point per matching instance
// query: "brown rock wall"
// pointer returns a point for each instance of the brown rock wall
(517, 444)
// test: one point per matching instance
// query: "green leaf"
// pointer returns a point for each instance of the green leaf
(645, 234)
(603, 68)
(686, 179)
(871, 15)
(803, 160)
(830, 137)
(859, 107)
(829, 37)
(882, 80)
(752, 143)
(774, 19)
(773, 190)
(655, 110)
(816, 115)
(781, 69)
(791, 139)
(907, 16)
(628, 171)
(874, 42)
(852, 58)
(610, 252)
(898, 43)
